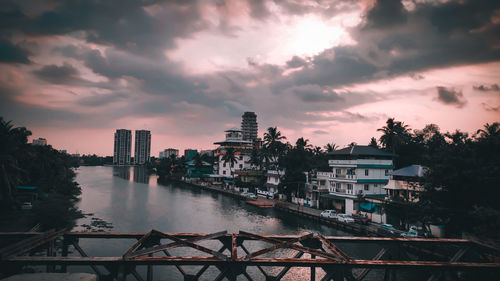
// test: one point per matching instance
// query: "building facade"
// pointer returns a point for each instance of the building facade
(142, 147)
(190, 153)
(122, 147)
(168, 152)
(40, 141)
(249, 126)
(358, 173)
(242, 148)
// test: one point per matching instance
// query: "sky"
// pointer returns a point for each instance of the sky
(330, 71)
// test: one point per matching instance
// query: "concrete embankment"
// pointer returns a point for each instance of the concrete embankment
(310, 213)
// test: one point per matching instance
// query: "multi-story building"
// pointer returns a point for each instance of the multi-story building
(249, 126)
(190, 153)
(40, 141)
(142, 147)
(358, 172)
(161, 155)
(273, 180)
(242, 148)
(169, 151)
(123, 147)
(319, 184)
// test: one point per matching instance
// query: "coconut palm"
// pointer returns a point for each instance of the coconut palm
(11, 142)
(229, 157)
(394, 134)
(373, 142)
(329, 147)
(490, 130)
(303, 144)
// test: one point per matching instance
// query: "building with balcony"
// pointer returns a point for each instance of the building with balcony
(168, 152)
(406, 184)
(242, 151)
(319, 184)
(122, 147)
(273, 180)
(249, 126)
(358, 172)
(142, 147)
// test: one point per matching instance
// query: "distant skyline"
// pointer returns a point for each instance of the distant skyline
(330, 71)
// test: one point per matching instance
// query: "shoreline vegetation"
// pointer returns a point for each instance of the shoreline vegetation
(36, 174)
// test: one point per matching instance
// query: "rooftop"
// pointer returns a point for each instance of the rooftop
(410, 171)
(362, 150)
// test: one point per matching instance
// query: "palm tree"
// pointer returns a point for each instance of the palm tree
(272, 144)
(395, 133)
(230, 157)
(329, 147)
(317, 151)
(11, 142)
(492, 130)
(373, 142)
(303, 144)
(256, 158)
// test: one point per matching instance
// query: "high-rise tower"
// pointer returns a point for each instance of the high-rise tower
(249, 126)
(142, 146)
(123, 147)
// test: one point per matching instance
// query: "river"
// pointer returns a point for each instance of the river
(133, 201)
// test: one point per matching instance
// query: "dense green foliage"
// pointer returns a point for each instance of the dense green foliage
(94, 160)
(43, 167)
(463, 180)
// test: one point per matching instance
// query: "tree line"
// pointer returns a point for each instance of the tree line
(40, 166)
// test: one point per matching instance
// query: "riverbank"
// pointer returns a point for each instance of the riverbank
(370, 229)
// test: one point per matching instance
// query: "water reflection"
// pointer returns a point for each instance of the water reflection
(141, 205)
(141, 174)
(122, 172)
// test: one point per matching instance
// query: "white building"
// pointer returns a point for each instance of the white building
(242, 148)
(317, 186)
(142, 147)
(122, 147)
(273, 180)
(357, 172)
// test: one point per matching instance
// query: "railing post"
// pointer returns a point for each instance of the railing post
(313, 270)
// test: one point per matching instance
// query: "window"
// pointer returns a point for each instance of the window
(375, 185)
(338, 171)
(322, 182)
(224, 165)
(386, 172)
(241, 157)
(349, 186)
(224, 172)
(367, 187)
(241, 166)
(366, 172)
(339, 186)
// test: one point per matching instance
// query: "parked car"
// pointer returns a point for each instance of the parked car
(360, 218)
(331, 214)
(410, 234)
(345, 218)
(26, 206)
(252, 195)
(387, 229)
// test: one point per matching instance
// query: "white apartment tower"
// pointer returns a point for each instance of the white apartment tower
(142, 147)
(123, 147)
(249, 126)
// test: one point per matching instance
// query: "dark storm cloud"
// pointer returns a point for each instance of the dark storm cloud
(11, 53)
(124, 24)
(386, 13)
(486, 88)
(296, 62)
(393, 42)
(64, 74)
(450, 96)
